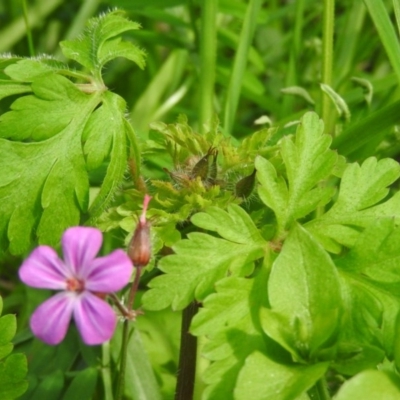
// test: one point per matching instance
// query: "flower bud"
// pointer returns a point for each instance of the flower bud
(139, 249)
(201, 169)
(245, 186)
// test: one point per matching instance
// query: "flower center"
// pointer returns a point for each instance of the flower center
(75, 285)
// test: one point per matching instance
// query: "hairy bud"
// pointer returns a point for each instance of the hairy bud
(245, 186)
(202, 167)
(139, 249)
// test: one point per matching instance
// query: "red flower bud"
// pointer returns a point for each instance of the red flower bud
(139, 249)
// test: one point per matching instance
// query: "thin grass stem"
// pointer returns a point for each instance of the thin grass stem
(327, 59)
(119, 390)
(28, 29)
(208, 50)
(239, 65)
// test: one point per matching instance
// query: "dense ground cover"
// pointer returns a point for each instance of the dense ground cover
(254, 144)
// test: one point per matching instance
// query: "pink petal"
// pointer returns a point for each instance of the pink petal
(80, 246)
(94, 318)
(51, 319)
(43, 269)
(108, 274)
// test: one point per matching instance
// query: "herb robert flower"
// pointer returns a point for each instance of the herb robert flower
(84, 281)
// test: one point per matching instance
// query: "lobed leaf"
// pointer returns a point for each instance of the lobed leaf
(12, 376)
(13, 368)
(46, 185)
(308, 161)
(234, 225)
(361, 188)
(372, 279)
(8, 327)
(100, 43)
(202, 260)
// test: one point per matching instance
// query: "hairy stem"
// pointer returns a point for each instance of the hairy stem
(125, 334)
(187, 356)
(134, 288)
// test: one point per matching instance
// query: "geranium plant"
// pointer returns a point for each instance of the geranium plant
(179, 251)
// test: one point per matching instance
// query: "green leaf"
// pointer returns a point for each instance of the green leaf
(366, 130)
(160, 332)
(12, 376)
(381, 18)
(340, 104)
(202, 260)
(370, 385)
(13, 368)
(371, 279)
(46, 184)
(367, 86)
(28, 70)
(9, 88)
(50, 387)
(82, 386)
(361, 188)
(8, 327)
(234, 299)
(308, 161)
(273, 190)
(141, 382)
(234, 225)
(100, 43)
(264, 379)
(304, 295)
(299, 91)
(106, 137)
(229, 319)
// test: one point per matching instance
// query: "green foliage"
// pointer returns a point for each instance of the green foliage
(101, 42)
(229, 319)
(140, 382)
(13, 367)
(290, 248)
(292, 382)
(370, 385)
(308, 161)
(285, 306)
(51, 137)
(361, 188)
(305, 299)
(201, 260)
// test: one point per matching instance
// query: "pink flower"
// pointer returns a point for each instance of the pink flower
(83, 280)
